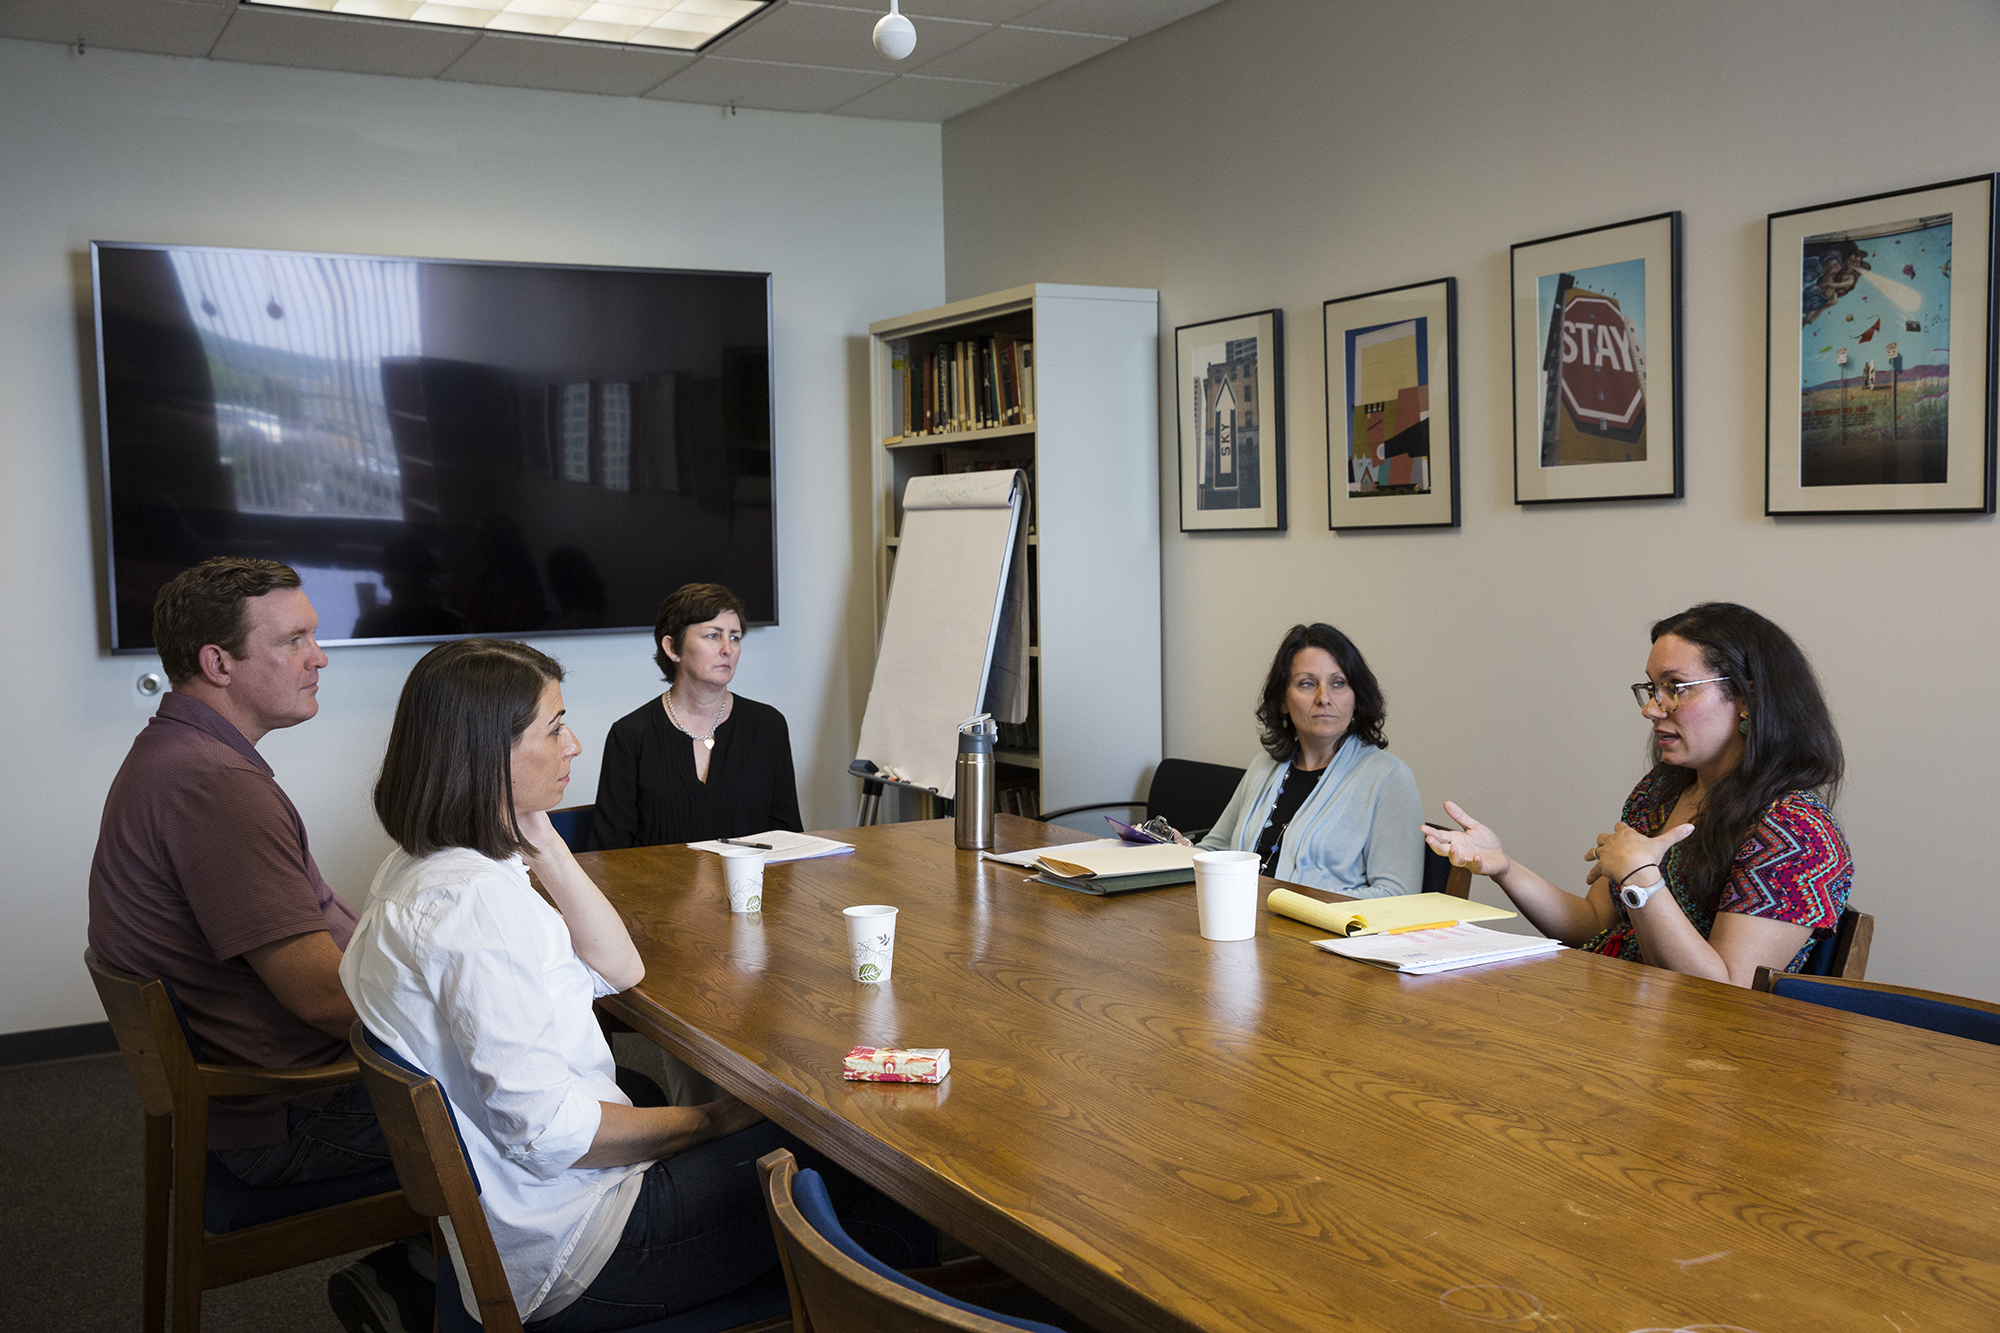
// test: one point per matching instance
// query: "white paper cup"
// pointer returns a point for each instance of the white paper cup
(1225, 894)
(744, 867)
(871, 941)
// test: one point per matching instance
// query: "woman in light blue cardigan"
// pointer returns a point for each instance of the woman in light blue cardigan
(1330, 807)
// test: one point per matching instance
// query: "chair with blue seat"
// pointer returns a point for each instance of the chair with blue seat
(1844, 953)
(217, 1229)
(439, 1181)
(1934, 1011)
(572, 824)
(838, 1287)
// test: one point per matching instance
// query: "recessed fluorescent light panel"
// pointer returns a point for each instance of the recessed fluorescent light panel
(680, 25)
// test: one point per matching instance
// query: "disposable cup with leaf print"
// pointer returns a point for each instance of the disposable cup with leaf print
(871, 941)
(743, 867)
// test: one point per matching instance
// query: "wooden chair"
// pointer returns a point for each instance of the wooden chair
(1933, 1011)
(838, 1287)
(1191, 795)
(221, 1230)
(1845, 952)
(424, 1139)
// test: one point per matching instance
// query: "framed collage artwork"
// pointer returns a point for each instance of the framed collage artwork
(1392, 407)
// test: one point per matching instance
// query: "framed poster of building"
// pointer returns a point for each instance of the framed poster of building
(1230, 385)
(1597, 363)
(1879, 374)
(1392, 407)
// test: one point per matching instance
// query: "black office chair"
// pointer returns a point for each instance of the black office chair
(1933, 1011)
(1187, 793)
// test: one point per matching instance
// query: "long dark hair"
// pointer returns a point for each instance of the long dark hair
(448, 775)
(1275, 723)
(1791, 744)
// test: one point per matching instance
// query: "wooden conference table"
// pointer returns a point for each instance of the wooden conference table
(1167, 1133)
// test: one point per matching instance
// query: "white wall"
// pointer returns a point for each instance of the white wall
(115, 146)
(1281, 152)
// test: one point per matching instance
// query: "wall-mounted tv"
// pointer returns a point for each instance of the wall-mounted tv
(439, 447)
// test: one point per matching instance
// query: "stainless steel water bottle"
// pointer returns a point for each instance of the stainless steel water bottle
(973, 802)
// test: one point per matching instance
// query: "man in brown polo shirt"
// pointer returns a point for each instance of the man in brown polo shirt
(203, 875)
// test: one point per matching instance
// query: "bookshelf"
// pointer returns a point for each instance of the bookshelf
(1062, 382)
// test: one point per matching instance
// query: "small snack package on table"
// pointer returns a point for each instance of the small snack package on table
(897, 1064)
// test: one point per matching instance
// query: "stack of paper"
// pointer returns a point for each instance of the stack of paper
(1442, 950)
(1030, 857)
(784, 846)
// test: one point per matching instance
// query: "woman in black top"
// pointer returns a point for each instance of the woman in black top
(698, 762)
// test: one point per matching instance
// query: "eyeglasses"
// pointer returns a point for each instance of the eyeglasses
(1670, 695)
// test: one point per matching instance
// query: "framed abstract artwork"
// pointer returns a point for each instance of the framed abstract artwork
(1879, 379)
(1597, 363)
(1230, 385)
(1392, 407)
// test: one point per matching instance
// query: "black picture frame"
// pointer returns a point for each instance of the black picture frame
(1383, 452)
(1231, 422)
(1895, 264)
(1591, 419)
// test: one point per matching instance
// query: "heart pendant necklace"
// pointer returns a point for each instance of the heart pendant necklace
(707, 741)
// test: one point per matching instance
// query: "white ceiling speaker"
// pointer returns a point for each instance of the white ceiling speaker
(894, 37)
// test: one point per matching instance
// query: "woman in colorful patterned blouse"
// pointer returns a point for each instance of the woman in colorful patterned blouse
(1733, 821)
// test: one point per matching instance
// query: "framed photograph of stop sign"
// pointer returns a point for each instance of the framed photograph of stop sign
(1597, 363)
(1880, 356)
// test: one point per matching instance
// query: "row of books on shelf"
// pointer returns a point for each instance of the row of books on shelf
(966, 384)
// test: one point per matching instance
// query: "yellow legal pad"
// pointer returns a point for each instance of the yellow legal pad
(1373, 916)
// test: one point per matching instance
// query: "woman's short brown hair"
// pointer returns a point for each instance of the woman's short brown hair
(690, 604)
(448, 775)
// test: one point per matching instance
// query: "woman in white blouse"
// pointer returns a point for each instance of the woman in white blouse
(606, 1214)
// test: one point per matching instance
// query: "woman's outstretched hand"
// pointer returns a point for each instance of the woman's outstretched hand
(1475, 847)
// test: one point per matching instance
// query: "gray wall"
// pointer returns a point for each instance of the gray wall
(1281, 152)
(124, 147)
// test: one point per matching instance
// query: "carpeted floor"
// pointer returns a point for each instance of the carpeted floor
(69, 1215)
(69, 1212)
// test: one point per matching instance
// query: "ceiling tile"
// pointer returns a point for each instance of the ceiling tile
(803, 34)
(1019, 55)
(161, 27)
(717, 81)
(571, 67)
(307, 39)
(915, 97)
(1115, 18)
(979, 11)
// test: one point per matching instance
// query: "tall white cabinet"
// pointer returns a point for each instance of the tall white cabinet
(1092, 446)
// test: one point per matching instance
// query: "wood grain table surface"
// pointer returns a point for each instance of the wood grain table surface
(1164, 1132)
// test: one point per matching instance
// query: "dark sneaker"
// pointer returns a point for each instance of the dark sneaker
(380, 1293)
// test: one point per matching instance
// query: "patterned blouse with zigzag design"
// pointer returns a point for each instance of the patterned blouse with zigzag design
(1794, 866)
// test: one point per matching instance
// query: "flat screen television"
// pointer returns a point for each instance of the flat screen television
(439, 447)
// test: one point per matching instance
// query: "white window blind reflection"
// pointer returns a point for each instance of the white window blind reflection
(294, 346)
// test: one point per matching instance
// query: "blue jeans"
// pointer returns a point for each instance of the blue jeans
(342, 1138)
(698, 1232)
